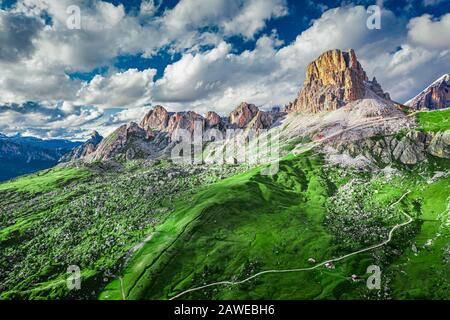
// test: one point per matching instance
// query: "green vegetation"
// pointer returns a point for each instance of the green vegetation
(90, 218)
(434, 121)
(250, 223)
(45, 181)
(143, 230)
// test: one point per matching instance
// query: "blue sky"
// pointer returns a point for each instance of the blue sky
(196, 54)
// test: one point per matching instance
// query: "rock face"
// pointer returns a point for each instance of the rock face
(409, 149)
(154, 136)
(155, 119)
(213, 119)
(440, 145)
(332, 80)
(85, 149)
(129, 140)
(242, 115)
(435, 96)
(185, 120)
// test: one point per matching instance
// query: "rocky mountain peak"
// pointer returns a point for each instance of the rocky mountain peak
(243, 114)
(155, 119)
(212, 119)
(435, 96)
(337, 68)
(334, 79)
(184, 120)
(94, 138)
(129, 139)
(87, 148)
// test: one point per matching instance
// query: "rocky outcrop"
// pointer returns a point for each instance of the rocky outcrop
(332, 80)
(262, 120)
(155, 119)
(409, 148)
(186, 121)
(129, 141)
(440, 145)
(85, 149)
(213, 120)
(435, 96)
(242, 115)
(248, 116)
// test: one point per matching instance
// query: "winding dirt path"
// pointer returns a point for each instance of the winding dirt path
(391, 232)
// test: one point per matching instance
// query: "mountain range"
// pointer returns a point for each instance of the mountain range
(336, 95)
(361, 182)
(22, 155)
(333, 80)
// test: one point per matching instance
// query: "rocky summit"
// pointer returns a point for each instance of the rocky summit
(153, 137)
(435, 96)
(155, 119)
(85, 149)
(334, 79)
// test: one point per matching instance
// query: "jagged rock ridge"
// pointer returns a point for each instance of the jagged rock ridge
(153, 136)
(85, 149)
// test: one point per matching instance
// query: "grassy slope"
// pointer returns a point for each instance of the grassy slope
(249, 223)
(424, 274)
(44, 181)
(67, 216)
(434, 121)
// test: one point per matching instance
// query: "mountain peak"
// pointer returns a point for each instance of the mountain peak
(435, 96)
(334, 79)
(94, 135)
(243, 114)
(157, 118)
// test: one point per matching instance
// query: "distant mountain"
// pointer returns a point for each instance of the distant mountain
(435, 96)
(152, 137)
(22, 155)
(84, 149)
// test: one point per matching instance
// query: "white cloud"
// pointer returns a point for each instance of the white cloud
(252, 17)
(241, 17)
(269, 75)
(124, 89)
(148, 8)
(432, 2)
(63, 120)
(217, 79)
(430, 33)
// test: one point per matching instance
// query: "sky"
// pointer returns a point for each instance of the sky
(60, 79)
